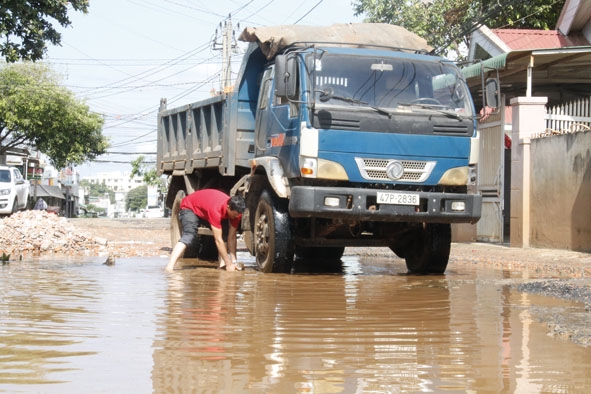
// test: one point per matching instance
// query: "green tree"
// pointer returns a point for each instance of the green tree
(93, 208)
(27, 26)
(98, 190)
(148, 174)
(137, 198)
(36, 110)
(447, 24)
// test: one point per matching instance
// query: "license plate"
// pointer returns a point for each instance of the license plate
(398, 198)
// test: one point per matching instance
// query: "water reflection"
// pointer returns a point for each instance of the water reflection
(354, 332)
(64, 324)
(368, 329)
(35, 309)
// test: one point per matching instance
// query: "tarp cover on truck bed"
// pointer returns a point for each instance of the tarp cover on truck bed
(273, 39)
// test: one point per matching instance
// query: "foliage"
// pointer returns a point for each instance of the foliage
(137, 198)
(98, 190)
(149, 175)
(447, 24)
(27, 26)
(91, 208)
(36, 110)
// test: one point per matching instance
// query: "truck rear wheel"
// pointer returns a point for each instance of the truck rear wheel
(428, 253)
(273, 243)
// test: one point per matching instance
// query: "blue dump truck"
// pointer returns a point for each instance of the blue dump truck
(345, 135)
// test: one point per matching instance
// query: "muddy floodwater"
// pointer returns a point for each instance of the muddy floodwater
(79, 326)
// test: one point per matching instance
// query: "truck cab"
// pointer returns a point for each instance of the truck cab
(362, 146)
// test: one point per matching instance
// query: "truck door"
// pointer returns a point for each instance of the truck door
(277, 125)
(262, 118)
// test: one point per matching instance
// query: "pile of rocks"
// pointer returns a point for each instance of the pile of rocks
(33, 233)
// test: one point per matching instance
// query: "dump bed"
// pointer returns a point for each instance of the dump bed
(213, 133)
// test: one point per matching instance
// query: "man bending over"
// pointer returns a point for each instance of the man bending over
(212, 206)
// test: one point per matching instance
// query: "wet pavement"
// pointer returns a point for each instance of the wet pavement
(78, 326)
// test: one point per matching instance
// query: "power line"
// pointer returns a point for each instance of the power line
(307, 13)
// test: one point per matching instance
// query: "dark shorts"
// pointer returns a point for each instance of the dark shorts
(189, 224)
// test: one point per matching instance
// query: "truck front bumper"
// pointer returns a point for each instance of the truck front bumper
(361, 205)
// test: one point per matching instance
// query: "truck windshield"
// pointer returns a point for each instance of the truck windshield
(390, 84)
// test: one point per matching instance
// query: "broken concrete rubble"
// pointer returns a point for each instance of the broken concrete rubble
(39, 233)
(32, 233)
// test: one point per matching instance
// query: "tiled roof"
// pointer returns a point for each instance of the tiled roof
(517, 39)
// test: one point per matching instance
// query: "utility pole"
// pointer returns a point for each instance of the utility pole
(227, 45)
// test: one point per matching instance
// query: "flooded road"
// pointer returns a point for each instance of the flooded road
(83, 327)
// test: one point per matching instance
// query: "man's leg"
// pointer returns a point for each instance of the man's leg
(175, 255)
(189, 223)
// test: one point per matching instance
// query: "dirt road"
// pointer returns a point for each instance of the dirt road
(145, 236)
(130, 237)
(569, 272)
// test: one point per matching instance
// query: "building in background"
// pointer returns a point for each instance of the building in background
(121, 183)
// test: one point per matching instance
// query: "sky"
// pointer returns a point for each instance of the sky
(123, 56)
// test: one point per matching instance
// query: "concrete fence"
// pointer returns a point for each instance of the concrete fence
(550, 181)
(561, 192)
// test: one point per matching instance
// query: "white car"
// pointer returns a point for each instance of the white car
(14, 190)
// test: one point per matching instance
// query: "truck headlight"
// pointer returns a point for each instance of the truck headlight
(455, 177)
(4, 192)
(331, 170)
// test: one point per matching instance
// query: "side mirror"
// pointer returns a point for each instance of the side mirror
(492, 94)
(285, 76)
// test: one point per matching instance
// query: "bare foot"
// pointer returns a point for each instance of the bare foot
(233, 267)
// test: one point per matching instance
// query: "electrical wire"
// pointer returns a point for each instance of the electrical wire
(129, 83)
(308, 13)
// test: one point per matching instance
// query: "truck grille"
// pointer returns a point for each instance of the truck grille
(375, 169)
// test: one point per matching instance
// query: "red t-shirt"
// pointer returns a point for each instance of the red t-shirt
(211, 205)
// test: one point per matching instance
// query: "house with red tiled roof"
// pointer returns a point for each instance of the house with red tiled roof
(487, 43)
(535, 62)
(573, 29)
(531, 196)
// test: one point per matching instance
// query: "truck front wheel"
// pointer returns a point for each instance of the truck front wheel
(428, 253)
(273, 244)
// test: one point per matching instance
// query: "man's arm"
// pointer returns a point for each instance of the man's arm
(219, 242)
(232, 243)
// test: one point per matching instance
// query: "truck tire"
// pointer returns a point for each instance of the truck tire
(14, 206)
(428, 253)
(273, 243)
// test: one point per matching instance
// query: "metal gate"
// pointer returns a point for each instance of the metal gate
(491, 178)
